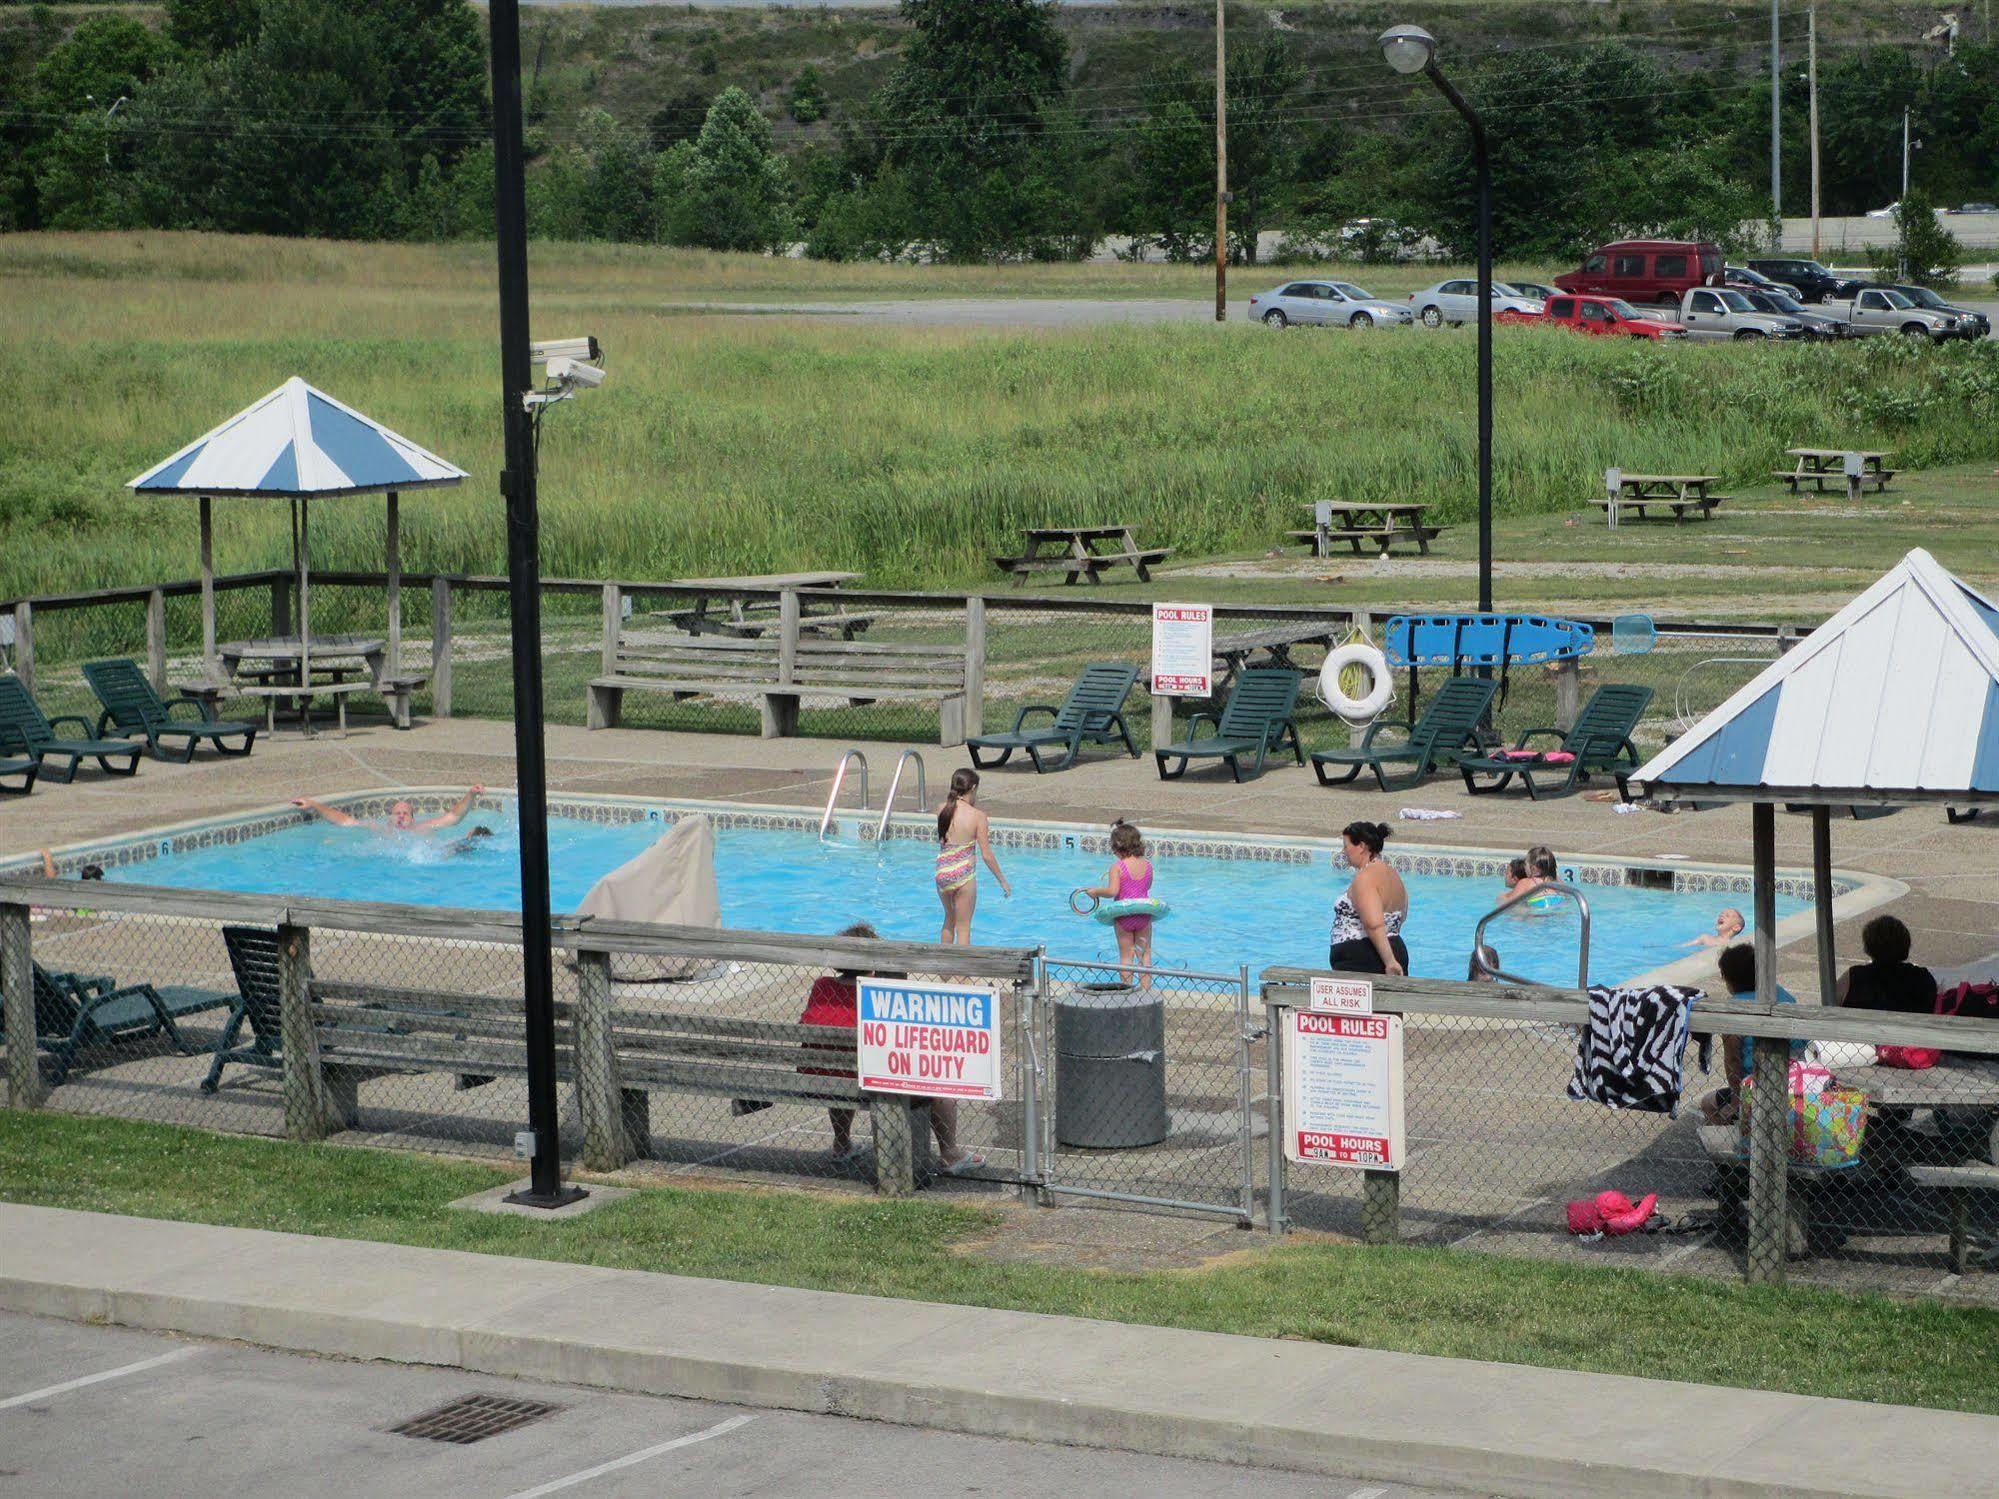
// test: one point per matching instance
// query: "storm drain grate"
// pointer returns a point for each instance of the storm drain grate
(473, 1418)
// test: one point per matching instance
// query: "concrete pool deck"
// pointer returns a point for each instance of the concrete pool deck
(1952, 870)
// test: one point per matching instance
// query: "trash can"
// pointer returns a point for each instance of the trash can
(1110, 1068)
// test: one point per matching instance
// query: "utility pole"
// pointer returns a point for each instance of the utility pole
(1901, 210)
(1221, 167)
(1776, 126)
(517, 484)
(1812, 87)
(1905, 153)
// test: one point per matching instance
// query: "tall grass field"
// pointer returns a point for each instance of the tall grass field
(726, 443)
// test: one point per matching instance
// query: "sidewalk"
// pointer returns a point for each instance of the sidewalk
(1495, 1429)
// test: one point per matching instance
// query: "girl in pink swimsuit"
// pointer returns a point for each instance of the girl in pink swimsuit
(1130, 878)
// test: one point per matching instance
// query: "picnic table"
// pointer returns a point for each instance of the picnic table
(1081, 551)
(1852, 468)
(1676, 492)
(1276, 642)
(1956, 1082)
(728, 612)
(1382, 524)
(271, 666)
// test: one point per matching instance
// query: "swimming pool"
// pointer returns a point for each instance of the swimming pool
(1263, 902)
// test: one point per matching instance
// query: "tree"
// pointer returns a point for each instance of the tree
(104, 59)
(209, 28)
(1925, 252)
(727, 190)
(808, 96)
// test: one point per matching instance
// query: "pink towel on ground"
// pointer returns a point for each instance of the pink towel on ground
(1536, 757)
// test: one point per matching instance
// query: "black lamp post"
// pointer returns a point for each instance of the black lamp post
(1411, 49)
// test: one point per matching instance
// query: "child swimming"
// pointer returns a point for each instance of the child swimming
(962, 841)
(1129, 878)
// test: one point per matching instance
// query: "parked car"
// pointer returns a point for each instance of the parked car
(1744, 279)
(1646, 270)
(1337, 303)
(1457, 302)
(1971, 323)
(1879, 309)
(1976, 208)
(1608, 315)
(1813, 281)
(1884, 213)
(1783, 304)
(1534, 289)
(1711, 312)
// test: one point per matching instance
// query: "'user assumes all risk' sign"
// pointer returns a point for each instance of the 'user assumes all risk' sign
(934, 1040)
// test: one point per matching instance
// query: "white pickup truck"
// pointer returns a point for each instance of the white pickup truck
(1880, 310)
(1721, 312)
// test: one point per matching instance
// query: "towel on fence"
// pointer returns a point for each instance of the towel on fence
(1632, 1051)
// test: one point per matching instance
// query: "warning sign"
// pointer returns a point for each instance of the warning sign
(1343, 1089)
(1343, 996)
(934, 1040)
(1183, 650)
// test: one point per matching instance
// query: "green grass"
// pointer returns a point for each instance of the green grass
(1409, 1300)
(728, 444)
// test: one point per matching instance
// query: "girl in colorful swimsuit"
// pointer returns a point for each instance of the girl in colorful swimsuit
(1129, 878)
(961, 835)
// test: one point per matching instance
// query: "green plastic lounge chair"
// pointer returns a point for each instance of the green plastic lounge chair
(74, 1013)
(15, 761)
(1448, 728)
(253, 958)
(1257, 719)
(1600, 743)
(20, 712)
(1093, 713)
(131, 705)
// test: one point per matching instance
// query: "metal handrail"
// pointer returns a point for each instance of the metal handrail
(839, 780)
(888, 802)
(1478, 947)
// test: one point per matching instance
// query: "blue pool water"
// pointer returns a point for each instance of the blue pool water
(1224, 911)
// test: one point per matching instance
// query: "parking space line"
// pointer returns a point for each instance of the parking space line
(90, 1379)
(721, 1428)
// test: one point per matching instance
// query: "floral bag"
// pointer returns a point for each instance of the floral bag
(1828, 1123)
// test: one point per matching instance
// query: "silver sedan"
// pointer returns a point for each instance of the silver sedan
(1457, 302)
(1338, 303)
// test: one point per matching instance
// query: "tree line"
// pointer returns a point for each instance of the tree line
(369, 119)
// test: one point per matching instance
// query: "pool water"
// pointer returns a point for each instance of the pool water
(1224, 911)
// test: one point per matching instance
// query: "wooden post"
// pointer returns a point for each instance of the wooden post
(392, 662)
(780, 709)
(594, 1057)
(208, 663)
(306, 1114)
(975, 666)
(1162, 720)
(440, 647)
(1381, 1207)
(1822, 902)
(895, 1126)
(1568, 694)
(281, 605)
(614, 625)
(1770, 1113)
(156, 641)
(17, 1009)
(24, 644)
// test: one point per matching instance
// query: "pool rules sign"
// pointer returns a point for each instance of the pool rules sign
(1343, 1089)
(933, 1040)
(1183, 650)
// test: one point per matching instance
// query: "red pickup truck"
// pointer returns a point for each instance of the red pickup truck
(1608, 315)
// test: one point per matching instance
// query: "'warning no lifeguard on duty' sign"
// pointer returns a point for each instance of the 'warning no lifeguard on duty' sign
(934, 1040)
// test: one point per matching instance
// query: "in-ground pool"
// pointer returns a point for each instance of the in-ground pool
(1225, 911)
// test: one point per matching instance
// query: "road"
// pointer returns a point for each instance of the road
(109, 1412)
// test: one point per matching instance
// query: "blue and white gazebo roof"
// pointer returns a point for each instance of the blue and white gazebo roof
(299, 443)
(1894, 700)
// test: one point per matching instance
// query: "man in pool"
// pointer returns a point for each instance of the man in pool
(402, 816)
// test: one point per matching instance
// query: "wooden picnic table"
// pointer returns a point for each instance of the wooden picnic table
(1819, 467)
(1678, 493)
(727, 612)
(1956, 1082)
(1081, 551)
(271, 667)
(1276, 642)
(1382, 523)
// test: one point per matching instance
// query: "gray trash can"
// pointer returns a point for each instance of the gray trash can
(1110, 1068)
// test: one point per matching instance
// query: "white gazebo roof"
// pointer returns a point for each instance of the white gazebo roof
(1894, 700)
(300, 443)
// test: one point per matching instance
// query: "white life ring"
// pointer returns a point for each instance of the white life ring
(1380, 691)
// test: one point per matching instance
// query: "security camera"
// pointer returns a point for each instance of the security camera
(572, 372)
(550, 349)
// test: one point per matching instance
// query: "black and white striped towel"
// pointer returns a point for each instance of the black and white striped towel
(1631, 1054)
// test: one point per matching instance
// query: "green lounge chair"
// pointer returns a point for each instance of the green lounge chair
(1600, 743)
(1257, 719)
(1448, 728)
(16, 761)
(74, 1013)
(253, 958)
(135, 709)
(20, 712)
(1092, 713)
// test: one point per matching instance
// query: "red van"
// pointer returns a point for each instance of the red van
(1607, 315)
(1646, 270)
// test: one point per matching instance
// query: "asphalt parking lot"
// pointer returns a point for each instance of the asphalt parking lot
(109, 1412)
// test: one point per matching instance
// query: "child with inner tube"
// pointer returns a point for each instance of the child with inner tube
(1129, 878)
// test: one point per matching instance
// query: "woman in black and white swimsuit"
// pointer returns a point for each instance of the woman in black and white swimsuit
(1368, 917)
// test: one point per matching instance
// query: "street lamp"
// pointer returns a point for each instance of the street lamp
(1410, 50)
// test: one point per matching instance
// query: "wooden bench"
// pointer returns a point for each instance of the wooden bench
(1625, 504)
(615, 1058)
(1957, 1183)
(1722, 1144)
(1382, 538)
(1878, 479)
(1077, 555)
(779, 674)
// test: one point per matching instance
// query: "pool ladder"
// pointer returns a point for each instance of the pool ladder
(852, 756)
(1555, 887)
(888, 802)
(855, 757)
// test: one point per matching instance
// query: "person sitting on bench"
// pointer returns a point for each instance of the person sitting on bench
(1738, 971)
(1888, 980)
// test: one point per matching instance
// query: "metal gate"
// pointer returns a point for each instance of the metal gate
(1149, 1089)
